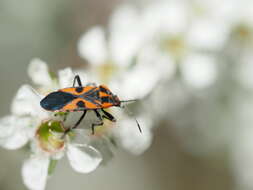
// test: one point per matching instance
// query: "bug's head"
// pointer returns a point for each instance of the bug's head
(116, 101)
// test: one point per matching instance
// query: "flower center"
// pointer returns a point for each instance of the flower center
(49, 136)
(175, 46)
(106, 71)
(242, 33)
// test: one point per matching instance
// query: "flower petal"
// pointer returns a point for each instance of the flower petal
(199, 71)
(83, 159)
(92, 46)
(34, 172)
(126, 34)
(167, 16)
(205, 33)
(66, 77)
(27, 102)
(38, 72)
(105, 147)
(6, 126)
(151, 67)
(130, 137)
(16, 132)
(102, 145)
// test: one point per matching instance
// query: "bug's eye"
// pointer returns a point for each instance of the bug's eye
(116, 100)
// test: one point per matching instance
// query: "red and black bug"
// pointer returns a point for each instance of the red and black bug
(83, 98)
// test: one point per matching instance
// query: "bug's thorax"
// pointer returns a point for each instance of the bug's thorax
(107, 98)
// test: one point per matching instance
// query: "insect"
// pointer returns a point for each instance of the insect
(83, 98)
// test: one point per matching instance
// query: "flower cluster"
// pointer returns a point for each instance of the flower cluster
(191, 61)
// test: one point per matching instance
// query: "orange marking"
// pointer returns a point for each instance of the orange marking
(90, 105)
(73, 90)
(71, 106)
(87, 88)
(107, 105)
(102, 94)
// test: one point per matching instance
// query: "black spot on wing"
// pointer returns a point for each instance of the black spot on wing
(56, 100)
(79, 89)
(80, 104)
(102, 89)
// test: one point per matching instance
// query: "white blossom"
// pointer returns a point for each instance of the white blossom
(92, 46)
(199, 70)
(34, 172)
(39, 73)
(83, 161)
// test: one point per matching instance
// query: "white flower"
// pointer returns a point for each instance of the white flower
(199, 70)
(207, 34)
(126, 34)
(151, 67)
(83, 158)
(27, 103)
(125, 39)
(38, 72)
(165, 17)
(92, 46)
(130, 61)
(21, 122)
(15, 132)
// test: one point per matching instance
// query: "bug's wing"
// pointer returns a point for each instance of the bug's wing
(56, 100)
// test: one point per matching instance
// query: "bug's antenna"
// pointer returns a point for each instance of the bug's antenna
(35, 92)
(130, 113)
(128, 100)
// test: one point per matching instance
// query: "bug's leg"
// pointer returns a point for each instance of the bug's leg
(96, 124)
(79, 121)
(76, 125)
(108, 116)
(77, 78)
